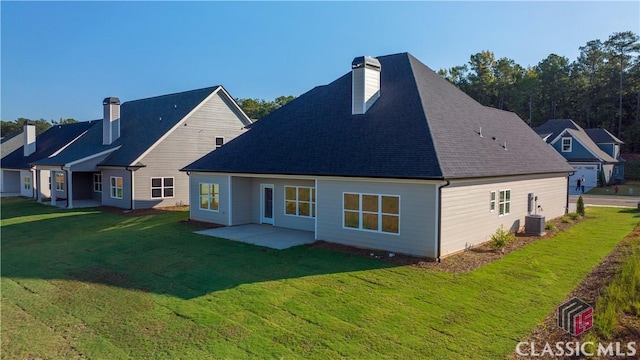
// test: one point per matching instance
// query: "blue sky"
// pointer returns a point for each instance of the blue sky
(60, 59)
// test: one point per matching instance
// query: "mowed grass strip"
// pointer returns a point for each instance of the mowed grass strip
(83, 283)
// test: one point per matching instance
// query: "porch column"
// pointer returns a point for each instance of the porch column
(53, 188)
(69, 179)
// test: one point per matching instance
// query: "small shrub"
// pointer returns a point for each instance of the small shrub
(580, 206)
(574, 216)
(550, 227)
(502, 237)
(565, 220)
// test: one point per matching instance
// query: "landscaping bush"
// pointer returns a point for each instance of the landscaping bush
(574, 216)
(550, 227)
(565, 220)
(580, 206)
(502, 237)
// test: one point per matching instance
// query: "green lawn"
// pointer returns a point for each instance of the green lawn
(100, 285)
(623, 190)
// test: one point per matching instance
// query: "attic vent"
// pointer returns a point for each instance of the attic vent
(480, 131)
(160, 118)
(175, 106)
(505, 145)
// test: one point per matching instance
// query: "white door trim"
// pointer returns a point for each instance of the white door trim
(263, 218)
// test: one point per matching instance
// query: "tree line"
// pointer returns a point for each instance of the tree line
(599, 89)
(9, 128)
(259, 108)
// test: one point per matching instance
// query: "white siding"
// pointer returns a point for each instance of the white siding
(11, 181)
(242, 198)
(417, 216)
(467, 220)
(23, 192)
(187, 143)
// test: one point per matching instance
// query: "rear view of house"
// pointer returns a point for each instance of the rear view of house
(131, 158)
(389, 156)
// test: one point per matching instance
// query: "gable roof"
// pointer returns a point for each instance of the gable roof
(602, 136)
(10, 143)
(421, 127)
(142, 124)
(47, 143)
(584, 139)
(552, 128)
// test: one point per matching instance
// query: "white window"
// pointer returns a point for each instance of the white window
(60, 181)
(505, 202)
(97, 182)
(300, 201)
(219, 142)
(566, 144)
(210, 197)
(162, 187)
(116, 187)
(27, 182)
(492, 201)
(371, 212)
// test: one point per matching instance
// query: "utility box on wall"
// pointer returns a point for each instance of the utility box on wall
(534, 225)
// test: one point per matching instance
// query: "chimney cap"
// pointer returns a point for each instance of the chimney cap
(111, 101)
(365, 61)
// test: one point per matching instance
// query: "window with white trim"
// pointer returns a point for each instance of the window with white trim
(505, 202)
(97, 182)
(492, 201)
(300, 201)
(219, 142)
(27, 182)
(210, 197)
(371, 212)
(566, 144)
(162, 188)
(116, 186)
(60, 181)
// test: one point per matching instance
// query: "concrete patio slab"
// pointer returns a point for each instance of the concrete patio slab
(262, 235)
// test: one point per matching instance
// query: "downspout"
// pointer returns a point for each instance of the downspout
(566, 207)
(131, 170)
(66, 185)
(34, 181)
(438, 256)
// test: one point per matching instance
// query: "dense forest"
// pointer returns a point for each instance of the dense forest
(601, 88)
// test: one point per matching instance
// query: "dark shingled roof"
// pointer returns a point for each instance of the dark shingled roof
(47, 143)
(421, 127)
(554, 127)
(602, 136)
(142, 123)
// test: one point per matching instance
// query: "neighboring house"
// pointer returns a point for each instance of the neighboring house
(587, 158)
(17, 172)
(610, 144)
(131, 159)
(389, 156)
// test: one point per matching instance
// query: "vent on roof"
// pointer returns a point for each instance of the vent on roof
(110, 120)
(365, 83)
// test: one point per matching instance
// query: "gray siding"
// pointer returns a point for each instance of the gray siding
(11, 181)
(417, 216)
(242, 197)
(466, 216)
(107, 200)
(217, 217)
(279, 217)
(187, 143)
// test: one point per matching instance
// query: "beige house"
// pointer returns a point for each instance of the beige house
(389, 156)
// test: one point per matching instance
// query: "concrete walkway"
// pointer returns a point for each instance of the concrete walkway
(262, 235)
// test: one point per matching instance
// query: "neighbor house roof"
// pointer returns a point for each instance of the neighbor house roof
(10, 143)
(421, 127)
(552, 128)
(142, 123)
(47, 144)
(602, 136)
(557, 127)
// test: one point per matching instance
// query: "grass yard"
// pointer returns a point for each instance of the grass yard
(631, 188)
(84, 283)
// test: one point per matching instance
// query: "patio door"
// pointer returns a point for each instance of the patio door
(266, 204)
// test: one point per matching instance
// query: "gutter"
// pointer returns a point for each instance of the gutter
(438, 246)
(131, 170)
